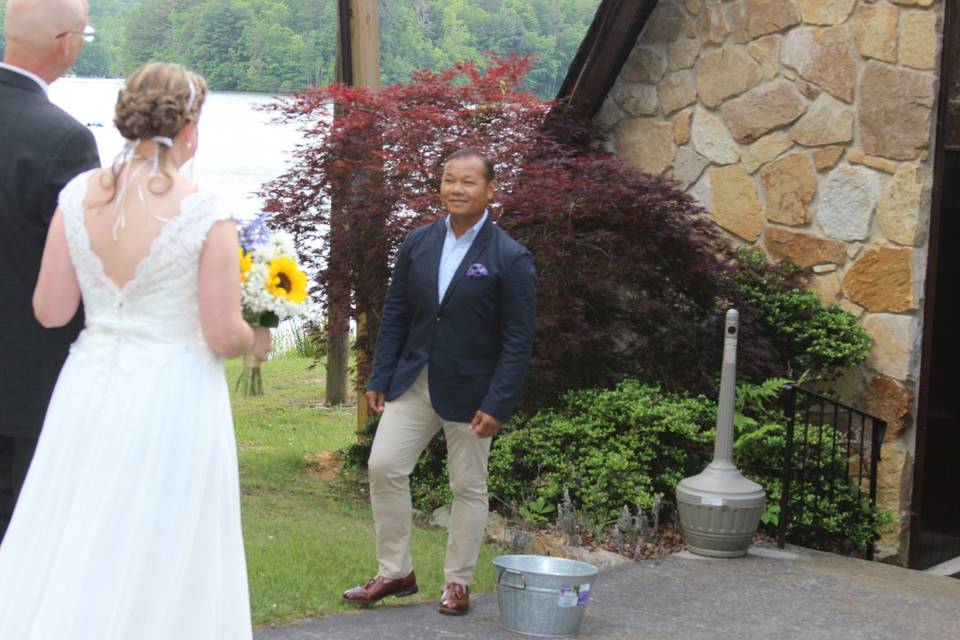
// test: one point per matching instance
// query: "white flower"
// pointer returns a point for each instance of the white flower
(278, 244)
(254, 295)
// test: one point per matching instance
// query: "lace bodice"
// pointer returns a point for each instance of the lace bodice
(159, 305)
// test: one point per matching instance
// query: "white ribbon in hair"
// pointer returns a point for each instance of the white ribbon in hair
(193, 94)
(124, 157)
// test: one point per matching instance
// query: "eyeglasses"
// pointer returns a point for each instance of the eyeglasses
(88, 33)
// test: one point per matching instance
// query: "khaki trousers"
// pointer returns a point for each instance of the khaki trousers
(406, 427)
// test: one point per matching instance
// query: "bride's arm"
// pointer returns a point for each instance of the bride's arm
(57, 295)
(221, 318)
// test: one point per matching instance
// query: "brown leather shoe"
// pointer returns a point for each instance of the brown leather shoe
(455, 600)
(376, 589)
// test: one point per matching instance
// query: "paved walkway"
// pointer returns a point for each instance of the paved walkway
(770, 594)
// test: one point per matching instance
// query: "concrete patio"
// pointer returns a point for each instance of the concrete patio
(797, 594)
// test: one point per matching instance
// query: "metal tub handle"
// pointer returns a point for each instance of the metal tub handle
(523, 582)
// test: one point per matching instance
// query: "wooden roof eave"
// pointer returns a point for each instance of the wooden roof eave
(610, 39)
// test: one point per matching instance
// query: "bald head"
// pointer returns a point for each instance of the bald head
(31, 30)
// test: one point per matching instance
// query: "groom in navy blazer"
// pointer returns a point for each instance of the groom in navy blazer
(454, 343)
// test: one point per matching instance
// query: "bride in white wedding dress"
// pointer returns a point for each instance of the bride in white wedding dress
(128, 525)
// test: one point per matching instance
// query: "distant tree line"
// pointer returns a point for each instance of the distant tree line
(288, 45)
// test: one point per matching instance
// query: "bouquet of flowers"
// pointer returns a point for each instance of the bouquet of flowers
(273, 288)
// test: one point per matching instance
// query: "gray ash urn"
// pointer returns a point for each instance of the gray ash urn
(719, 508)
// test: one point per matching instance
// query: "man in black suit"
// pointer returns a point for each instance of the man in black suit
(42, 149)
(454, 343)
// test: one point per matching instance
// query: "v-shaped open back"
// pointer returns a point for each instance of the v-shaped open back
(149, 249)
(162, 293)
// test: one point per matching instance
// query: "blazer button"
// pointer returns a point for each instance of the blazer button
(438, 318)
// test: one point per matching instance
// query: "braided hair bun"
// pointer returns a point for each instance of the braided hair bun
(157, 100)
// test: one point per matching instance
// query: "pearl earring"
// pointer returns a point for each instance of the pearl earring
(189, 145)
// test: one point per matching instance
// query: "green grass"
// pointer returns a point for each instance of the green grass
(308, 538)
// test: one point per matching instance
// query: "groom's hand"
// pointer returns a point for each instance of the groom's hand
(375, 401)
(485, 425)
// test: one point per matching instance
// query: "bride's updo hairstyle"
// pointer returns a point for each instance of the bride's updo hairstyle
(156, 102)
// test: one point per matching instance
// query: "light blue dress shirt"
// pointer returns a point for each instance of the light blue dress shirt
(454, 249)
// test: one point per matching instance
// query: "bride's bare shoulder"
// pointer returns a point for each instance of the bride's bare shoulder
(182, 186)
(101, 187)
(162, 189)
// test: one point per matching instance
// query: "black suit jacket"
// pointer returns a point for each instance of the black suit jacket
(477, 341)
(41, 149)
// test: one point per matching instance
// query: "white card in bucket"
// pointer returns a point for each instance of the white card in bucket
(584, 594)
(568, 597)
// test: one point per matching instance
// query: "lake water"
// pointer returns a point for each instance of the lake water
(239, 148)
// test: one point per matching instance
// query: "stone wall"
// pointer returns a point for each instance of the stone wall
(805, 128)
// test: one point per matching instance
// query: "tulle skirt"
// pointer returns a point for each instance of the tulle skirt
(128, 524)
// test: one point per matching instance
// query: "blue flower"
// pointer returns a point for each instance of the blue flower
(254, 233)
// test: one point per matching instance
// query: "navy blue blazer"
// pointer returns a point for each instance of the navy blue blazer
(477, 341)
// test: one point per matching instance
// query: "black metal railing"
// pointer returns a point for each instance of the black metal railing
(829, 475)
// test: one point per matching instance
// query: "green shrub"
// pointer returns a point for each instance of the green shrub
(834, 516)
(608, 448)
(624, 446)
(355, 455)
(817, 341)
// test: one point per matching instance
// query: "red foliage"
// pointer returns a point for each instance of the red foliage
(631, 273)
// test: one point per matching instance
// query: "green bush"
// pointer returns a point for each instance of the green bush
(608, 448)
(833, 514)
(624, 446)
(817, 341)
(355, 455)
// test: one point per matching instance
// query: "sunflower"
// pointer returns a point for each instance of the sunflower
(246, 262)
(285, 280)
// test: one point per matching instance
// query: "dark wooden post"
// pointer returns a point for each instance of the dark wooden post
(365, 36)
(338, 318)
(358, 64)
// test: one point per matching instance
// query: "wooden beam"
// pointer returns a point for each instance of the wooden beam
(358, 64)
(338, 320)
(358, 43)
(610, 39)
(365, 39)
(344, 43)
(950, 120)
(947, 139)
(365, 50)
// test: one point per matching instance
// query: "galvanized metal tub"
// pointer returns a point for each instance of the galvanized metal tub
(542, 596)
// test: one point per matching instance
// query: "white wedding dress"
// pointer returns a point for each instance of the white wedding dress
(128, 524)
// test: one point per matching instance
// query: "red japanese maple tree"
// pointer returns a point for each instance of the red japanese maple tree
(631, 274)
